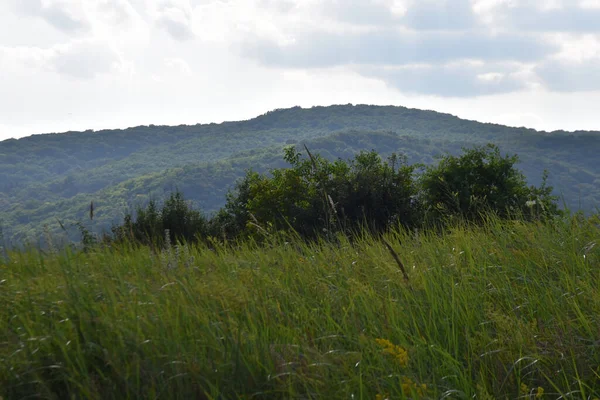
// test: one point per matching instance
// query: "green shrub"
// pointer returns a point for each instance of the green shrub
(480, 181)
(175, 221)
(316, 196)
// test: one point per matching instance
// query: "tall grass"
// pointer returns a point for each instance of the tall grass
(507, 310)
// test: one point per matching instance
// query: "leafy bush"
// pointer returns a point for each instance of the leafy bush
(480, 181)
(176, 217)
(316, 196)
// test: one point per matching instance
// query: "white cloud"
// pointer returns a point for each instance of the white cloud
(179, 65)
(230, 22)
(460, 79)
(85, 59)
(541, 16)
(571, 76)
(421, 15)
(283, 6)
(363, 12)
(111, 63)
(590, 4)
(117, 11)
(578, 48)
(175, 16)
(322, 49)
(440, 15)
(64, 15)
(78, 59)
(576, 67)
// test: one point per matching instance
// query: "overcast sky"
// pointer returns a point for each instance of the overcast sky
(93, 64)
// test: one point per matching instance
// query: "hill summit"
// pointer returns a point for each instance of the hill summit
(50, 177)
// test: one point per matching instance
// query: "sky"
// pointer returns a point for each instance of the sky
(97, 64)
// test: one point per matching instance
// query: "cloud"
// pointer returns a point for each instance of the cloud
(452, 80)
(83, 59)
(446, 64)
(66, 16)
(22, 57)
(360, 12)
(175, 16)
(423, 47)
(393, 47)
(447, 15)
(440, 15)
(116, 11)
(282, 6)
(590, 4)
(533, 17)
(483, 59)
(570, 76)
(179, 65)
(418, 15)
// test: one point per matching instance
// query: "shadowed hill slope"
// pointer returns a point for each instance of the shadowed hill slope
(45, 177)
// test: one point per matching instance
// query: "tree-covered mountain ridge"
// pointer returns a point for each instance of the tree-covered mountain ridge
(55, 176)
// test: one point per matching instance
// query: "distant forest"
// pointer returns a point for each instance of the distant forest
(48, 181)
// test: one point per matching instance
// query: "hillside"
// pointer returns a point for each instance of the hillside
(483, 314)
(55, 176)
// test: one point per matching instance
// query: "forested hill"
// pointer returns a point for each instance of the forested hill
(55, 176)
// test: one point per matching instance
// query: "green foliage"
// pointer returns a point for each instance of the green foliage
(480, 181)
(485, 314)
(88, 240)
(45, 177)
(316, 196)
(175, 221)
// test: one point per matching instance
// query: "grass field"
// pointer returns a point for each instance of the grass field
(508, 310)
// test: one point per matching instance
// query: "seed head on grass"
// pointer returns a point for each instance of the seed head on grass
(168, 240)
(49, 241)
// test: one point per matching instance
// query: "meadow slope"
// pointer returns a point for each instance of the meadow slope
(507, 310)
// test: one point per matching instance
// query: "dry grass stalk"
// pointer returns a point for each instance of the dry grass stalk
(397, 258)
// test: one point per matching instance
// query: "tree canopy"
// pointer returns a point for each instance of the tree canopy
(48, 177)
(313, 197)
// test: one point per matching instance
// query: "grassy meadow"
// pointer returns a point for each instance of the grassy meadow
(508, 310)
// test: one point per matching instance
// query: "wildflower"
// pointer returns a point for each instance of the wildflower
(397, 352)
(524, 389)
(409, 387)
(540, 392)
(381, 397)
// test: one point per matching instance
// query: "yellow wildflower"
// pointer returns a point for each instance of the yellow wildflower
(409, 387)
(398, 352)
(381, 397)
(540, 392)
(524, 389)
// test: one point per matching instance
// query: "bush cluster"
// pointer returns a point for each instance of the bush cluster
(315, 197)
(176, 220)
